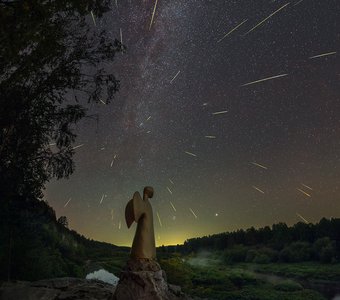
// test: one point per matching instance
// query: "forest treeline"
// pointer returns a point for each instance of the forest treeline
(279, 243)
(34, 244)
(53, 64)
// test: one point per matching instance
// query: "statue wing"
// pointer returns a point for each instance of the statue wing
(134, 209)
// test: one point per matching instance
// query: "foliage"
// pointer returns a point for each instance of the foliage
(296, 252)
(300, 242)
(63, 221)
(325, 250)
(219, 281)
(177, 271)
(34, 245)
(262, 255)
(288, 286)
(235, 254)
(304, 271)
(51, 60)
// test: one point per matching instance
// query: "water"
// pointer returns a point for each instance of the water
(104, 276)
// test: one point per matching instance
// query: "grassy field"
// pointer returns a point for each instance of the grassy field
(208, 277)
(308, 270)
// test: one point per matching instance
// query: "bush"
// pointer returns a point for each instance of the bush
(327, 254)
(251, 254)
(177, 271)
(236, 254)
(262, 259)
(324, 250)
(262, 256)
(296, 252)
(288, 286)
(242, 278)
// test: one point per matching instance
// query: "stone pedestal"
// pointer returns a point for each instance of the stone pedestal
(143, 279)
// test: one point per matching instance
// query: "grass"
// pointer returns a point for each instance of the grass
(216, 280)
(210, 278)
(307, 270)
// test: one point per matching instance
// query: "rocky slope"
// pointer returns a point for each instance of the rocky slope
(57, 289)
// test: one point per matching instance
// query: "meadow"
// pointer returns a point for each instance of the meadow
(207, 276)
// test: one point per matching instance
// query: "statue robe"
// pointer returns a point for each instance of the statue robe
(140, 211)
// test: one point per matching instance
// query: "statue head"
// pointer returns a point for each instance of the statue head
(148, 191)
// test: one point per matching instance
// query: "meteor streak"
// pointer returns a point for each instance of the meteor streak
(159, 219)
(306, 186)
(148, 118)
(114, 158)
(173, 206)
(153, 14)
(302, 218)
(171, 181)
(189, 153)
(102, 101)
(94, 20)
(258, 165)
(101, 200)
(210, 137)
(303, 192)
(220, 112)
(298, 2)
(77, 146)
(175, 77)
(256, 188)
(264, 20)
(169, 190)
(231, 31)
(193, 213)
(67, 202)
(322, 55)
(264, 79)
(121, 36)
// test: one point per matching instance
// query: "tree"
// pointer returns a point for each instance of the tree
(51, 63)
(63, 221)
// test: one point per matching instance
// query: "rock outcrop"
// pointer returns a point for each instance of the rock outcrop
(143, 279)
(139, 280)
(57, 289)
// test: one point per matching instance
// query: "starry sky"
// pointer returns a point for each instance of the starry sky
(229, 109)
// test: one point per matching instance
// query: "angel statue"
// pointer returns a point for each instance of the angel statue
(140, 210)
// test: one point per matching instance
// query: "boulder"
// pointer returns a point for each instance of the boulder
(57, 289)
(143, 279)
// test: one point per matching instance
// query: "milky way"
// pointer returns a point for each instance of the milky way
(229, 109)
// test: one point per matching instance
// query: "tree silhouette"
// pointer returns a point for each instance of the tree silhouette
(52, 61)
(63, 221)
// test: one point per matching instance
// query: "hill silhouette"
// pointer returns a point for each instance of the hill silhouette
(35, 245)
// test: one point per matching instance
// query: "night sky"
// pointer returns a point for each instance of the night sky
(220, 153)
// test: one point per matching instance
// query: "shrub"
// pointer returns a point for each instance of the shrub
(251, 254)
(261, 259)
(236, 254)
(296, 252)
(177, 271)
(324, 250)
(262, 256)
(241, 278)
(288, 286)
(327, 254)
